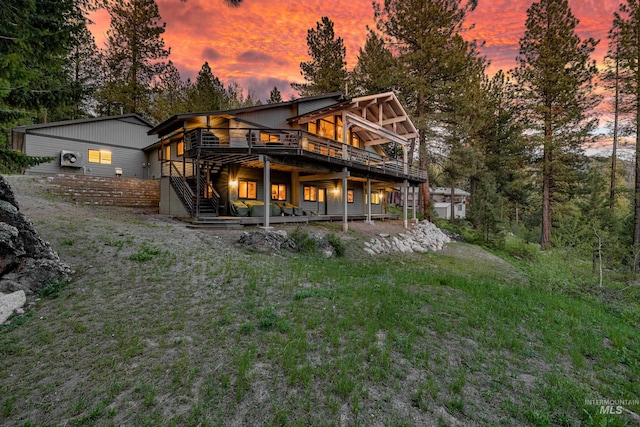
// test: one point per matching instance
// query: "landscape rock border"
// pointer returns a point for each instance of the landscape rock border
(423, 237)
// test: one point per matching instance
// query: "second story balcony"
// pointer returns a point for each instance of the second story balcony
(290, 145)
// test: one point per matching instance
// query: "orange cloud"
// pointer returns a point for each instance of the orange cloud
(261, 43)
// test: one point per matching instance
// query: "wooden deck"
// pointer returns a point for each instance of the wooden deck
(236, 222)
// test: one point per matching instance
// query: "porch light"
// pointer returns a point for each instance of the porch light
(233, 183)
(336, 191)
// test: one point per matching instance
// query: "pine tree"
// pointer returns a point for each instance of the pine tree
(35, 36)
(274, 96)
(555, 87)
(208, 92)
(626, 25)
(433, 59)
(375, 70)
(133, 56)
(326, 71)
(169, 94)
(505, 150)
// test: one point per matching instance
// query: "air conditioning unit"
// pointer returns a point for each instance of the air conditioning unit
(70, 159)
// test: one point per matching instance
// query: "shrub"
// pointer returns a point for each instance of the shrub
(337, 244)
(304, 242)
(52, 289)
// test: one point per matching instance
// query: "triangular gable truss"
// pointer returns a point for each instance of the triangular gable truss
(378, 119)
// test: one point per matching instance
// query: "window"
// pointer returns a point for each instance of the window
(100, 156)
(350, 196)
(248, 190)
(167, 152)
(310, 193)
(376, 198)
(311, 127)
(278, 192)
(328, 127)
(321, 194)
(180, 148)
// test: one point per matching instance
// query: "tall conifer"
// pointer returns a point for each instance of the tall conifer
(554, 80)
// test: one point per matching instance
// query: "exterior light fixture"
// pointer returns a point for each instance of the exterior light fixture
(233, 183)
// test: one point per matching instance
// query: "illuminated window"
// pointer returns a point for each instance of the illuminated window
(247, 190)
(278, 192)
(355, 140)
(100, 156)
(321, 194)
(376, 198)
(311, 126)
(167, 152)
(180, 148)
(310, 193)
(350, 196)
(328, 127)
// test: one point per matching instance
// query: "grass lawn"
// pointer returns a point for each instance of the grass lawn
(152, 332)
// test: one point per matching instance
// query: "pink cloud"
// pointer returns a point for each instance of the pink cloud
(262, 42)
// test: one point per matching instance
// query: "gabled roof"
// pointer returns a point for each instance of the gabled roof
(25, 128)
(175, 122)
(378, 118)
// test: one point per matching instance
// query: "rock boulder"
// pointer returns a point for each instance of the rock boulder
(27, 262)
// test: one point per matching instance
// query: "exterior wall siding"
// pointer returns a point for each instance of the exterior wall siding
(108, 132)
(124, 137)
(130, 160)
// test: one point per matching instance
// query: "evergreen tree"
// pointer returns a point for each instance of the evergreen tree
(81, 69)
(433, 61)
(554, 77)
(505, 150)
(169, 94)
(374, 72)
(274, 96)
(35, 36)
(133, 56)
(626, 25)
(208, 93)
(326, 71)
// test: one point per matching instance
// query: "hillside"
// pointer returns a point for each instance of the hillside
(164, 325)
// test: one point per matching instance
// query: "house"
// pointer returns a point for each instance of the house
(318, 157)
(442, 202)
(103, 146)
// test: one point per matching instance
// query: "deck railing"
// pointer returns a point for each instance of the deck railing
(282, 139)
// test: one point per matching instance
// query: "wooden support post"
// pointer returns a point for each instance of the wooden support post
(267, 190)
(345, 223)
(369, 201)
(413, 195)
(405, 202)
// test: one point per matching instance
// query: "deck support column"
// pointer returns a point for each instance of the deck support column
(369, 221)
(413, 196)
(267, 190)
(345, 223)
(405, 203)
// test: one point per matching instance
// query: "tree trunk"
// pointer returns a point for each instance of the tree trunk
(546, 185)
(616, 106)
(425, 196)
(636, 221)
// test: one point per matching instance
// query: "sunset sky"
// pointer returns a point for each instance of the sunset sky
(261, 44)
